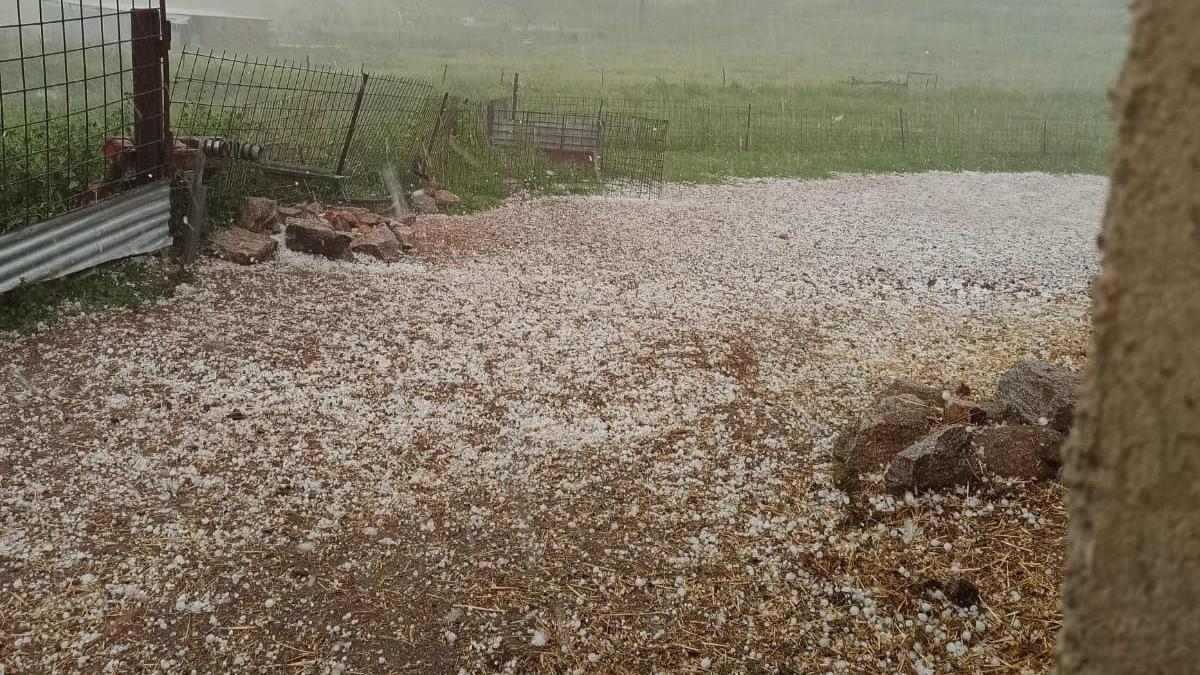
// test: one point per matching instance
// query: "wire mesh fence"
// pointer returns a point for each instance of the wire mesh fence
(790, 135)
(321, 130)
(72, 131)
(501, 150)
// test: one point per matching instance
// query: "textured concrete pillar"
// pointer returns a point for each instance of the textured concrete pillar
(1133, 579)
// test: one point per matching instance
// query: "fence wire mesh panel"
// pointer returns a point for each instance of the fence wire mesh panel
(72, 131)
(633, 152)
(560, 152)
(792, 138)
(297, 129)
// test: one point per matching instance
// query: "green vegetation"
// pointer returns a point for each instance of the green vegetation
(1020, 84)
(130, 283)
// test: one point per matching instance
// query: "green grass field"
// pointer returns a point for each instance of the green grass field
(1021, 84)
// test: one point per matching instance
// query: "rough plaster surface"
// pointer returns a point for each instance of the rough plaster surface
(1133, 580)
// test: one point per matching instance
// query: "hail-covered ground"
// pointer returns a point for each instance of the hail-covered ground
(584, 435)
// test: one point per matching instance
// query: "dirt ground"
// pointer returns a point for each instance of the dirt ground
(571, 435)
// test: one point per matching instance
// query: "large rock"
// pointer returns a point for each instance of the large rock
(406, 235)
(243, 246)
(379, 243)
(889, 426)
(924, 393)
(259, 214)
(944, 459)
(964, 411)
(445, 198)
(315, 236)
(1029, 453)
(424, 203)
(1034, 391)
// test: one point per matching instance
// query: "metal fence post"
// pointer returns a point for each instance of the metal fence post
(149, 113)
(362, 91)
(437, 125)
(903, 131)
(749, 129)
(512, 114)
(198, 209)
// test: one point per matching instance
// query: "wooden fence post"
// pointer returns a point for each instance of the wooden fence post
(149, 92)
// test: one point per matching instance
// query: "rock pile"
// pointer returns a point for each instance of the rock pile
(927, 440)
(339, 233)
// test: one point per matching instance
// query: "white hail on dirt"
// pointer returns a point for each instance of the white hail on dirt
(571, 435)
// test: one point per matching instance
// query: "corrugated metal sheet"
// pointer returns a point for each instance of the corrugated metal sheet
(129, 224)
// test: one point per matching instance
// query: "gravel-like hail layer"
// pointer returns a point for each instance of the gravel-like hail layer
(572, 435)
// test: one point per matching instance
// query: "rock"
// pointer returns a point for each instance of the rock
(889, 426)
(343, 221)
(927, 395)
(445, 198)
(941, 460)
(315, 236)
(404, 234)
(243, 246)
(379, 243)
(1029, 453)
(423, 203)
(1038, 393)
(259, 214)
(964, 411)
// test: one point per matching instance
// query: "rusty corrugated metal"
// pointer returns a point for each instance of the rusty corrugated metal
(129, 224)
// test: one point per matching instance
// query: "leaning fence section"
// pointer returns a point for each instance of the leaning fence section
(82, 105)
(298, 127)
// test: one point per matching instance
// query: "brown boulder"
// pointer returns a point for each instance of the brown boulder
(1029, 453)
(445, 198)
(424, 203)
(258, 214)
(965, 411)
(1037, 393)
(315, 236)
(889, 426)
(343, 221)
(243, 246)
(379, 243)
(944, 459)
(925, 394)
(404, 234)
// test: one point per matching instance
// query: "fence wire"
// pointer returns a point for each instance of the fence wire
(66, 101)
(790, 135)
(323, 129)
